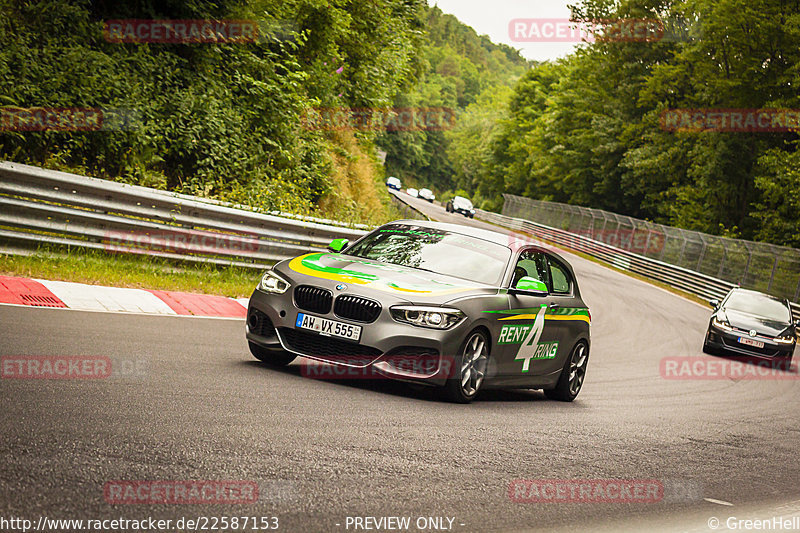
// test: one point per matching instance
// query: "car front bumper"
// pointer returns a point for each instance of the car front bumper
(728, 341)
(386, 348)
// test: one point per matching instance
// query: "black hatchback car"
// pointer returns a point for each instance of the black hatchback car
(753, 324)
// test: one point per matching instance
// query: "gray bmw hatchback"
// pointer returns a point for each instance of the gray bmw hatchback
(460, 308)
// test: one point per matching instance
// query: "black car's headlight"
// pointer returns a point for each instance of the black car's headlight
(273, 283)
(721, 323)
(785, 338)
(427, 317)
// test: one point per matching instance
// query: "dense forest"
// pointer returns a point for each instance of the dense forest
(458, 69)
(221, 119)
(227, 119)
(588, 129)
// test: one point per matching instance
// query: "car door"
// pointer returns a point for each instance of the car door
(562, 305)
(526, 338)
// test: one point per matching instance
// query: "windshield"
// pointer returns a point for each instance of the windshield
(436, 250)
(759, 305)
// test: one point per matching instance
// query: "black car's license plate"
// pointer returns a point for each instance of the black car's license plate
(323, 326)
(751, 342)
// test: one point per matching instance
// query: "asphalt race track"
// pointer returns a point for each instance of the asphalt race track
(196, 406)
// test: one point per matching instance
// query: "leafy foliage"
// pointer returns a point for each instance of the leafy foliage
(214, 119)
(457, 70)
(226, 120)
(585, 130)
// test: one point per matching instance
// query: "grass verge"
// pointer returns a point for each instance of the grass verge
(99, 268)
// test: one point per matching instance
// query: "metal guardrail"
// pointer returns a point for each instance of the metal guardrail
(39, 206)
(690, 281)
(407, 210)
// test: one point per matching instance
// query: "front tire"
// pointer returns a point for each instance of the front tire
(707, 348)
(471, 366)
(570, 381)
(270, 357)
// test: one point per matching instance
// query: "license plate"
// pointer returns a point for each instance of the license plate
(329, 328)
(751, 342)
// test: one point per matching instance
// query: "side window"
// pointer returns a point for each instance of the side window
(562, 283)
(531, 263)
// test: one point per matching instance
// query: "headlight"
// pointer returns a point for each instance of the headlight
(785, 339)
(427, 317)
(273, 283)
(721, 323)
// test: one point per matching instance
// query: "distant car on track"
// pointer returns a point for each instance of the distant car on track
(456, 307)
(393, 183)
(753, 324)
(459, 204)
(427, 194)
(414, 193)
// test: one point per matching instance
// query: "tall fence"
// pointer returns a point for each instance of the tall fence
(754, 265)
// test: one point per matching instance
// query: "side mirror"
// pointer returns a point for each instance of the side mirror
(713, 303)
(531, 285)
(337, 245)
